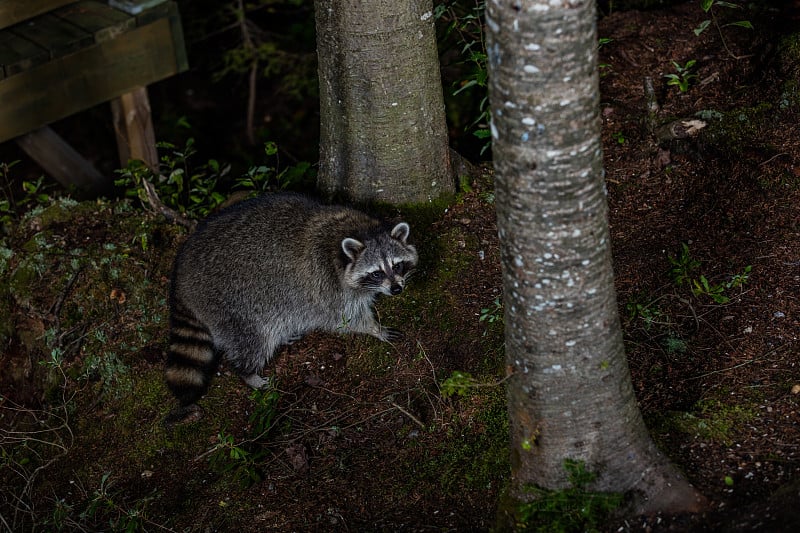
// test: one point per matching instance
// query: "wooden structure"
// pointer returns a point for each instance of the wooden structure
(59, 57)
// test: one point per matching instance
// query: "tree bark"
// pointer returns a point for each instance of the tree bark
(383, 133)
(570, 395)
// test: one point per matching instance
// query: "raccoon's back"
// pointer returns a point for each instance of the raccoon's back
(271, 250)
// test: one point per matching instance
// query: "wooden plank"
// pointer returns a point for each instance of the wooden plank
(57, 36)
(178, 41)
(18, 54)
(15, 11)
(103, 22)
(60, 161)
(86, 78)
(133, 124)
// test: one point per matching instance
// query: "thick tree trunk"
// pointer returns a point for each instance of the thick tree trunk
(383, 133)
(570, 396)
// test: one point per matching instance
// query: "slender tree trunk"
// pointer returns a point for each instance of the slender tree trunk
(383, 132)
(570, 396)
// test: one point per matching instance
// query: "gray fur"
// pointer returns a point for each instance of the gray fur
(267, 271)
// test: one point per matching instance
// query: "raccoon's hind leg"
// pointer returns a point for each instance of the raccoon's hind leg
(249, 352)
(192, 358)
(255, 381)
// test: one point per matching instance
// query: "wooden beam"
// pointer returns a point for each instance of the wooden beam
(61, 162)
(88, 77)
(14, 11)
(133, 125)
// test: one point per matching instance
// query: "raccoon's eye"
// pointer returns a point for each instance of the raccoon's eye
(399, 268)
(377, 275)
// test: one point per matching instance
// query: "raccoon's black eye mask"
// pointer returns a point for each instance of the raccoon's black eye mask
(400, 268)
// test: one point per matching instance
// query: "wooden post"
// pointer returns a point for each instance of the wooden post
(133, 125)
(60, 161)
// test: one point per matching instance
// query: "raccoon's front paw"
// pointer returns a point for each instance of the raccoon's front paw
(391, 334)
(254, 381)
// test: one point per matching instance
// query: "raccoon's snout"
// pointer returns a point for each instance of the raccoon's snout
(396, 289)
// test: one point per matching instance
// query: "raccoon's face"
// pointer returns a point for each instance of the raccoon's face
(381, 263)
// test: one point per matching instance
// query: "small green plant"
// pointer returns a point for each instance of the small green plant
(573, 509)
(189, 189)
(492, 314)
(241, 459)
(458, 384)
(716, 291)
(466, 24)
(103, 508)
(197, 190)
(683, 266)
(601, 42)
(674, 345)
(682, 273)
(265, 409)
(619, 137)
(701, 286)
(708, 7)
(108, 369)
(684, 75)
(229, 457)
(648, 313)
(462, 383)
(11, 203)
(261, 178)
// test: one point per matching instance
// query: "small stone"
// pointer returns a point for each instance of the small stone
(796, 389)
(779, 314)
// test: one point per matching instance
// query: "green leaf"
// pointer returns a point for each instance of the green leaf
(742, 24)
(470, 83)
(702, 27)
(706, 5)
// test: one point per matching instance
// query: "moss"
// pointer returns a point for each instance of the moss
(738, 129)
(475, 454)
(710, 419)
(369, 357)
(789, 57)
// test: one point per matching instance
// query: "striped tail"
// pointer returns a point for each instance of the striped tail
(192, 359)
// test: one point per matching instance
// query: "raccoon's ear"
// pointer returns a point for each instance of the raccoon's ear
(352, 247)
(400, 232)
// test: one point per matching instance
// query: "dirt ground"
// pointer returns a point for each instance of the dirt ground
(362, 435)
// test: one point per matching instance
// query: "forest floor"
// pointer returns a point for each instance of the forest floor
(360, 435)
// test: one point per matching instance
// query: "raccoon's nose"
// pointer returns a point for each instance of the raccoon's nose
(396, 289)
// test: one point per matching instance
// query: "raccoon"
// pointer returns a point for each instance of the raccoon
(266, 271)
